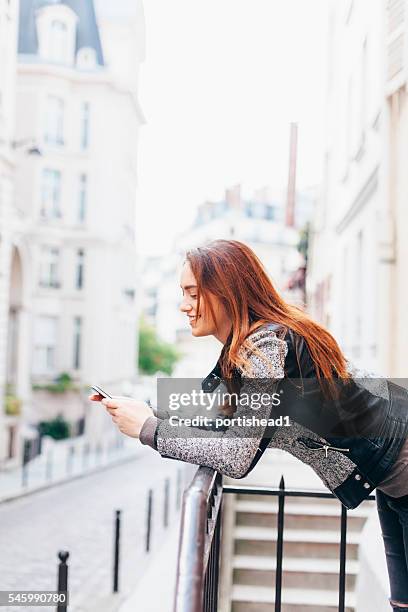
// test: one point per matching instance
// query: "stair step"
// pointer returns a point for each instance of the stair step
(297, 542)
(262, 599)
(312, 509)
(323, 501)
(298, 516)
(322, 565)
(297, 573)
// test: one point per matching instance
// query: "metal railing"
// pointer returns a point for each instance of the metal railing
(200, 532)
(199, 548)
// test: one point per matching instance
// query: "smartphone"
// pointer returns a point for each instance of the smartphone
(100, 391)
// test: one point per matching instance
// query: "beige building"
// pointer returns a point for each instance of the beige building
(74, 302)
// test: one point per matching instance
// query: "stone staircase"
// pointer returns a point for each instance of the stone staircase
(310, 554)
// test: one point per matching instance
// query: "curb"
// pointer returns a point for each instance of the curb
(61, 481)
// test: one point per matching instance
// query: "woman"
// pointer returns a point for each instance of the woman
(353, 432)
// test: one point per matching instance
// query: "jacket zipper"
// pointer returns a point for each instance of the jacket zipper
(325, 447)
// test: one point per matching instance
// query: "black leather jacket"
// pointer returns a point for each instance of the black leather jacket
(367, 422)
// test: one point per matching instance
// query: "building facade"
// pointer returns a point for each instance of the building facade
(75, 259)
(348, 264)
(8, 55)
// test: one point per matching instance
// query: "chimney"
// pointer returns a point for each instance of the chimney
(233, 197)
(291, 193)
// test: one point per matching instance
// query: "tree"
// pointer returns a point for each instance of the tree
(155, 355)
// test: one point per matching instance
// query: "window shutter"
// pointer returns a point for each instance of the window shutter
(396, 41)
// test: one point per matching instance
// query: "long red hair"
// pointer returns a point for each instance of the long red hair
(230, 271)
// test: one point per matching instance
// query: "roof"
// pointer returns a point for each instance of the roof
(87, 26)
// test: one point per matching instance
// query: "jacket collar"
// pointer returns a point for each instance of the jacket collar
(214, 378)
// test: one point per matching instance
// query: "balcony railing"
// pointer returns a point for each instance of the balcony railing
(200, 533)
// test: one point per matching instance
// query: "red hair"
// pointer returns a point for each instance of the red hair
(230, 271)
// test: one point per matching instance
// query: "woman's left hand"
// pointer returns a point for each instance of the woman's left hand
(128, 414)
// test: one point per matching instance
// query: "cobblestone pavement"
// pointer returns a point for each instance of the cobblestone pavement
(78, 516)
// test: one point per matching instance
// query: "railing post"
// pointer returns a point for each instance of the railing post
(26, 460)
(70, 456)
(342, 572)
(178, 490)
(149, 519)
(279, 546)
(48, 466)
(116, 553)
(63, 579)
(166, 502)
(98, 452)
(85, 455)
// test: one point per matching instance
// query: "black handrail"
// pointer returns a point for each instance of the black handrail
(200, 530)
(197, 569)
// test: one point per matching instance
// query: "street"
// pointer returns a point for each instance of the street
(79, 517)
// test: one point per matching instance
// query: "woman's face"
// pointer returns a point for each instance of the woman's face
(204, 325)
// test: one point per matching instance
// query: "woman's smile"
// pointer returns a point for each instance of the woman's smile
(192, 318)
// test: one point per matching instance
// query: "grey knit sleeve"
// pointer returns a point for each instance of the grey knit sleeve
(231, 451)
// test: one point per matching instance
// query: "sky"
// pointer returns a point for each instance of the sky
(220, 84)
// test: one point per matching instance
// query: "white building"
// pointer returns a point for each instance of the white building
(75, 264)
(8, 57)
(348, 263)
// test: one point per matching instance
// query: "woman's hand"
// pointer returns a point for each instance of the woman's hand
(127, 413)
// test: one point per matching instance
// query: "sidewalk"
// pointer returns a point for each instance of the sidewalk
(63, 461)
(160, 571)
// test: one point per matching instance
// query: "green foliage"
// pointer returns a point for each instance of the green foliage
(62, 383)
(12, 403)
(155, 355)
(303, 244)
(57, 428)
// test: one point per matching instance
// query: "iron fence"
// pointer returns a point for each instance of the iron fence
(200, 534)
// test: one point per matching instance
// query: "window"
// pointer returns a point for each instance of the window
(79, 276)
(249, 211)
(86, 58)
(364, 85)
(269, 212)
(51, 194)
(349, 132)
(82, 197)
(358, 279)
(54, 121)
(85, 121)
(49, 267)
(77, 342)
(58, 41)
(45, 342)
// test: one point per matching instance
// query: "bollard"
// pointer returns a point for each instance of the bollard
(149, 519)
(26, 460)
(179, 492)
(116, 553)
(166, 502)
(48, 466)
(63, 579)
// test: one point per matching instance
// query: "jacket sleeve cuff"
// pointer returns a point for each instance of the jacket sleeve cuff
(147, 433)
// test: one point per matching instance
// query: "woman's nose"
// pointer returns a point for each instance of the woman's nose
(184, 306)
